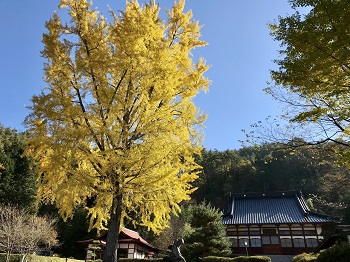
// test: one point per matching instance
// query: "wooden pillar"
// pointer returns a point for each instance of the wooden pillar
(237, 236)
(278, 233)
(249, 243)
(291, 236)
(302, 229)
(317, 236)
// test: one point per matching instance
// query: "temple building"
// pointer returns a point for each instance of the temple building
(279, 223)
(130, 245)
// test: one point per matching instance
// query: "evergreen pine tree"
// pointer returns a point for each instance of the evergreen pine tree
(207, 234)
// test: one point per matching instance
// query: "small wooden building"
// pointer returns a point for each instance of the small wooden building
(278, 223)
(130, 245)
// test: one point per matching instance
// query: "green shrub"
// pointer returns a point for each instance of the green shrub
(336, 253)
(237, 259)
(305, 257)
(252, 259)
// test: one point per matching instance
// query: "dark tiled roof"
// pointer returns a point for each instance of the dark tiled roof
(274, 208)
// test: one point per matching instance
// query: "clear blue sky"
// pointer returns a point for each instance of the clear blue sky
(240, 52)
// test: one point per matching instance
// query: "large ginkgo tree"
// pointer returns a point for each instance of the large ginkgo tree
(116, 126)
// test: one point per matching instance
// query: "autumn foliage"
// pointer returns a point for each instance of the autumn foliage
(116, 123)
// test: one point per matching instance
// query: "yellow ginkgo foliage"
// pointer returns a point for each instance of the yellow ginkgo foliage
(116, 123)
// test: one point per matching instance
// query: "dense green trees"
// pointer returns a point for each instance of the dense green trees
(219, 169)
(17, 174)
(273, 167)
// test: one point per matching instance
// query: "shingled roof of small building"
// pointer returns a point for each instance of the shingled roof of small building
(125, 235)
(271, 208)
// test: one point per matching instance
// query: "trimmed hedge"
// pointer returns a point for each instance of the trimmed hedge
(237, 259)
(252, 259)
(217, 259)
(139, 260)
(305, 257)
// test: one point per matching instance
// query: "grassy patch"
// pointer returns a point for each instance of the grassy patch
(35, 258)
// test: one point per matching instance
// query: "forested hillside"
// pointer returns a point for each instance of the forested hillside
(272, 167)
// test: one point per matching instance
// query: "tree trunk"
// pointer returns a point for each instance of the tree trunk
(110, 254)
